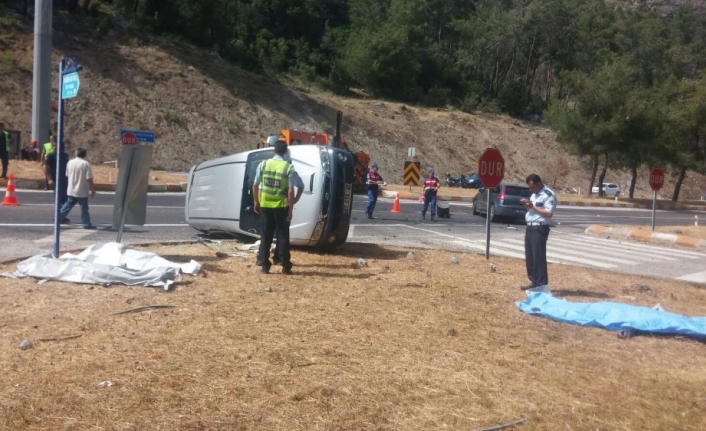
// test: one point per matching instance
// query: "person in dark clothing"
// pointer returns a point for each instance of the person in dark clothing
(49, 167)
(5, 141)
(373, 182)
(272, 190)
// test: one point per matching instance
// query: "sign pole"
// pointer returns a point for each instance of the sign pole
(59, 151)
(654, 206)
(487, 227)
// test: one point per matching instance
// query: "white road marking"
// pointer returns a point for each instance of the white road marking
(71, 235)
(644, 247)
(697, 277)
(77, 226)
(568, 249)
(557, 256)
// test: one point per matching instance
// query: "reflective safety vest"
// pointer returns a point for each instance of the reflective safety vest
(274, 180)
(48, 149)
(7, 141)
(431, 183)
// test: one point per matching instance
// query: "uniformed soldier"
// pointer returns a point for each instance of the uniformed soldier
(373, 183)
(540, 208)
(272, 191)
(430, 187)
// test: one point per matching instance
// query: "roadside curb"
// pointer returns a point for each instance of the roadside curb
(647, 236)
(23, 184)
(660, 206)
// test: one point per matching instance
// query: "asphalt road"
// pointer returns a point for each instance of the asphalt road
(28, 230)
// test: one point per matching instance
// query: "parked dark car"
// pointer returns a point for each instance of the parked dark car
(472, 181)
(504, 201)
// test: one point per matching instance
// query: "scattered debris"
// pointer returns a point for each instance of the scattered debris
(501, 426)
(257, 320)
(678, 231)
(268, 289)
(362, 262)
(493, 268)
(454, 260)
(221, 255)
(105, 384)
(624, 334)
(26, 344)
(410, 255)
(67, 337)
(143, 308)
(129, 300)
(642, 288)
(348, 304)
(385, 267)
(450, 331)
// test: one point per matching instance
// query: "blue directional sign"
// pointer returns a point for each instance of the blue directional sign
(140, 135)
(69, 85)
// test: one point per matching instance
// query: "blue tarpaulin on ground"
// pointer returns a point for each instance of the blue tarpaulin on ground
(614, 316)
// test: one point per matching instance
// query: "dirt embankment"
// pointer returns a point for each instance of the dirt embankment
(201, 108)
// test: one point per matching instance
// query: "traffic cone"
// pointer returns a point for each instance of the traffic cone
(396, 206)
(10, 198)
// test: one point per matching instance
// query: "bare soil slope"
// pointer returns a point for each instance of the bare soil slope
(201, 107)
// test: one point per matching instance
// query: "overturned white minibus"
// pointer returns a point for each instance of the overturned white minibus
(219, 195)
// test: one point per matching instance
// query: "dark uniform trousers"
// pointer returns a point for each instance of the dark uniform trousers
(536, 254)
(274, 220)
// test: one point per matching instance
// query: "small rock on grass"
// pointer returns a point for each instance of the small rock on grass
(492, 267)
(451, 332)
(410, 255)
(454, 260)
(362, 262)
(268, 289)
(26, 344)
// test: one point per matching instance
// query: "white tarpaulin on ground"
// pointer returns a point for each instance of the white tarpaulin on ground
(106, 263)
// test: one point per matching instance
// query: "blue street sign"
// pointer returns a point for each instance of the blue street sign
(142, 136)
(69, 85)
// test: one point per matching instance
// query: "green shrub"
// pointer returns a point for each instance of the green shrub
(8, 61)
(436, 97)
(172, 117)
(326, 127)
(234, 125)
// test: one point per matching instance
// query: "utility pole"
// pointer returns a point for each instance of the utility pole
(41, 86)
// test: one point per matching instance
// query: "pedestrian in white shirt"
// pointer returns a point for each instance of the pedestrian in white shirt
(80, 180)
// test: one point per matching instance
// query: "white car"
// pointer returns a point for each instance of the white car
(219, 195)
(609, 189)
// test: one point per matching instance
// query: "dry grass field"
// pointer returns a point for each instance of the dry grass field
(342, 347)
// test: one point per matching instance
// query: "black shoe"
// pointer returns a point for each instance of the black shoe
(370, 216)
(287, 271)
(265, 270)
(424, 216)
(65, 221)
(433, 217)
(529, 286)
(89, 227)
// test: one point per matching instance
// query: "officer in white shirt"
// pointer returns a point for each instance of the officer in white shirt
(540, 208)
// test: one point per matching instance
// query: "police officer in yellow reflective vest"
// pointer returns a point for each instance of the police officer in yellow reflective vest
(272, 190)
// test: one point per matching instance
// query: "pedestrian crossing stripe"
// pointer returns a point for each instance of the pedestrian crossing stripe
(574, 250)
(411, 173)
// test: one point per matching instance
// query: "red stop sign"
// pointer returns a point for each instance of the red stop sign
(491, 168)
(129, 139)
(656, 179)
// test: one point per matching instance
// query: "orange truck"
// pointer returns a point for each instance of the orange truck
(361, 159)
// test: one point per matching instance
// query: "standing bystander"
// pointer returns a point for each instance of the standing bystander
(273, 190)
(50, 174)
(5, 141)
(80, 180)
(540, 208)
(430, 187)
(373, 182)
(299, 185)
